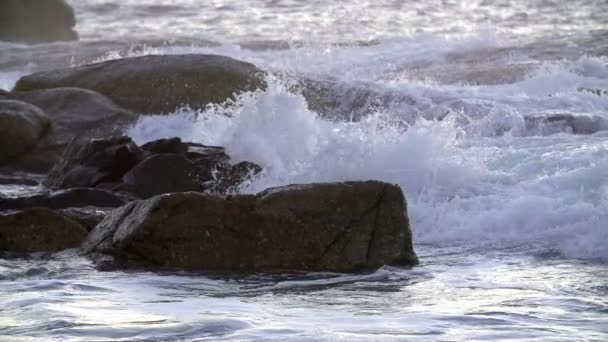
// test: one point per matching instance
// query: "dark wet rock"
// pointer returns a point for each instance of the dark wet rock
(36, 21)
(88, 217)
(156, 84)
(39, 230)
(347, 227)
(162, 173)
(161, 166)
(22, 126)
(90, 163)
(559, 123)
(77, 113)
(171, 145)
(74, 197)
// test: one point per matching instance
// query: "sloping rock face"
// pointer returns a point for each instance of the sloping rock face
(350, 226)
(21, 128)
(156, 84)
(39, 230)
(161, 166)
(36, 21)
(77, 113)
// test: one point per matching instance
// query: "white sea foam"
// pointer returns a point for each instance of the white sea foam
(462, 188)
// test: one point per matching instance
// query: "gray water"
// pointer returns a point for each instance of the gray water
(510, 221)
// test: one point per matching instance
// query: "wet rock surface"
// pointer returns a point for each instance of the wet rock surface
(39, 230)
(349, 226)
(156, 84)
(166, 165)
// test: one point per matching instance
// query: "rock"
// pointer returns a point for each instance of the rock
(39, 230)
(36, 21)
(341, 227)
(90, 163)
(77, 113)
(559, 123)
(171, 145)
(156, 84)
(162, 173)
(88, 217)
(75, 197)
(21, 128)
(161, 166)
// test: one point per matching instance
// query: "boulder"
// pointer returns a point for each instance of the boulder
(90, 163)
(36, 21)
(77, 113)
(22, 126)
(39, 230)
(74, 197)
(161, 166)
(343, 227)
(156, 84)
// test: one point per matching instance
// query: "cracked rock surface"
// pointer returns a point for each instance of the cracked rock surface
(345, 227)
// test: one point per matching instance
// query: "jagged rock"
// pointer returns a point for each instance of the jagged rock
(39, 230)
(156, 84)
(166, 165)
(90, 163)
(36, 21)
(21, 128)
(74, 197)
(347, 226)
(88, 217)
(77, 113)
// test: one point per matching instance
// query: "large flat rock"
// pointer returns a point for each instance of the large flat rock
(349, 226)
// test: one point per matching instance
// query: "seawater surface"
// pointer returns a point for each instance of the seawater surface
(451, 100)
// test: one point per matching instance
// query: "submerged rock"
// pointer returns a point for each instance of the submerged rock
(156, 84)
(22, 126)
(347, 227)
(36, 21)
(39, 230)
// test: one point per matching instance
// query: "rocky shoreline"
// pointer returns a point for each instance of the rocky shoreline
(169, 204)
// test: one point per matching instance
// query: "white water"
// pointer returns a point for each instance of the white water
(510, 221)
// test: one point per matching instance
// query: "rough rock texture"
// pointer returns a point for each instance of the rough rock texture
(88, 217)
(348, 226)
(90, 163)
(36, 21)
(21, 127)
(77, 113)
(161, 166)
(156, 84)
(39, 230)
(75, 197)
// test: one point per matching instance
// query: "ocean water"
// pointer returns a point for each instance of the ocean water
(451, 100)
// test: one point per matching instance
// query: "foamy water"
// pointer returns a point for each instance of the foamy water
(509, 218)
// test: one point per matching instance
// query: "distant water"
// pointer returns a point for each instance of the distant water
(510, 215)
